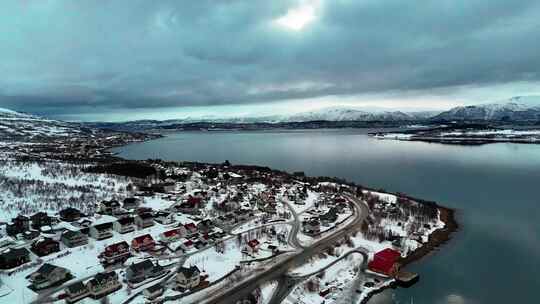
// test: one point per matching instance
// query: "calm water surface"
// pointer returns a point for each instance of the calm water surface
(495, 258)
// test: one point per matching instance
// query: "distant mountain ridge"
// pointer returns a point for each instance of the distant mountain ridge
(513, 110)
(516, 109)
(15, 126)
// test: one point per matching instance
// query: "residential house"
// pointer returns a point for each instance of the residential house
(143, 243)
(45, 246)
(153, 292)
(242, 214)
(70, 214)
(31, 234)
(131, 203)
(138, 272)
(253, 246)
(48, 275)
(144, 220)
(188, 278)
(103, 284)
(186, 208)
(188, 244)
(124, 225)
(115, 253)
(311, 226)
(205, 226)
(173, 234)
(329, 217)
(76, 292)
(385, 262)
(74, 238)
(164, 218)
(41, 219)
(14, 230)
(109, 207)
(226, 220)
(168, 186)
(21, 221)
(20, 224)
(191, 228)
(101, 231)
(14, 257)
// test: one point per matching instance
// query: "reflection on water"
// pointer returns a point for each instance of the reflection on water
(493, 187)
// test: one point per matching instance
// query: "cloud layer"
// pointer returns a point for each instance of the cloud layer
(72, 56)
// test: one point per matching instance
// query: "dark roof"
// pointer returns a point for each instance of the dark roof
(141, 266)
(146, 216)
(189, 272)
(22, 217)
(131, 200)
(46, 268)
(69, 211)
(162, 213)
(103, 226)
(126, 220)
(39, 215)
(104, 276)
(154, 288)
(72, 234)
(110, 203)
(76, 287)
(44, 241)
(15, 253)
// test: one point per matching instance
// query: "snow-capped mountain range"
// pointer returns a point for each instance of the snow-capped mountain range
(14, 125)
(516, 109)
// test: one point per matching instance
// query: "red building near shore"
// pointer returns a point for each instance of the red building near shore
(385, 262)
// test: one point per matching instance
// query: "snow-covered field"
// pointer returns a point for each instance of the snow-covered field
(28, 187)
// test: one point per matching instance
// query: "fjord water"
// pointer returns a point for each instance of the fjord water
(494, 258)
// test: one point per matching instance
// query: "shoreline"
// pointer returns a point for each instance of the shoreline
(437, 239)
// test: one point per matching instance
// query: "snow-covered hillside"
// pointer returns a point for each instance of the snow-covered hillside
(14, 125)
(513, 110)
(348, 114)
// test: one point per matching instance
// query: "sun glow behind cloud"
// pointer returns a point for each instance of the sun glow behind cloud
(298, 17)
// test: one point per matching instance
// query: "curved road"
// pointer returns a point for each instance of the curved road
(287, 282)
(279, 270)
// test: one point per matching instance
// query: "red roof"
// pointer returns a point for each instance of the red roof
(384, 261)
(253, 243)
(188, 243)
(142, 238)
(388, 254)
(193, 200)
(171, 233)
(190, 226)
(117, 247)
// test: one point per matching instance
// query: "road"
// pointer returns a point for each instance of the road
(293, 235)
(287, 282)
(278, 271)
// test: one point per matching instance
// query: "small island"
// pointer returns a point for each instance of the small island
(466, 134)
(136, 231)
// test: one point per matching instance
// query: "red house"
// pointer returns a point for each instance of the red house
(194, 200)
(143, 243)
(115, 252)
(191, 228)
(253, 246)
(385, 262)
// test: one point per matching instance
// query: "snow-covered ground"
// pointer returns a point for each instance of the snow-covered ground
(28, 187)
(267, 290)
(333, 280)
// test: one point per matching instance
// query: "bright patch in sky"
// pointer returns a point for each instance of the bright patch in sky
(297, 18)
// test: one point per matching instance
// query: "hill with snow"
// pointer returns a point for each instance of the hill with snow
(29, 128)
(516, 109)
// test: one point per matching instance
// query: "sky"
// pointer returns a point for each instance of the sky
(123, 59)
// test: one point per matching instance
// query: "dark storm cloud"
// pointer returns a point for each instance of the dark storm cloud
(76, 55)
